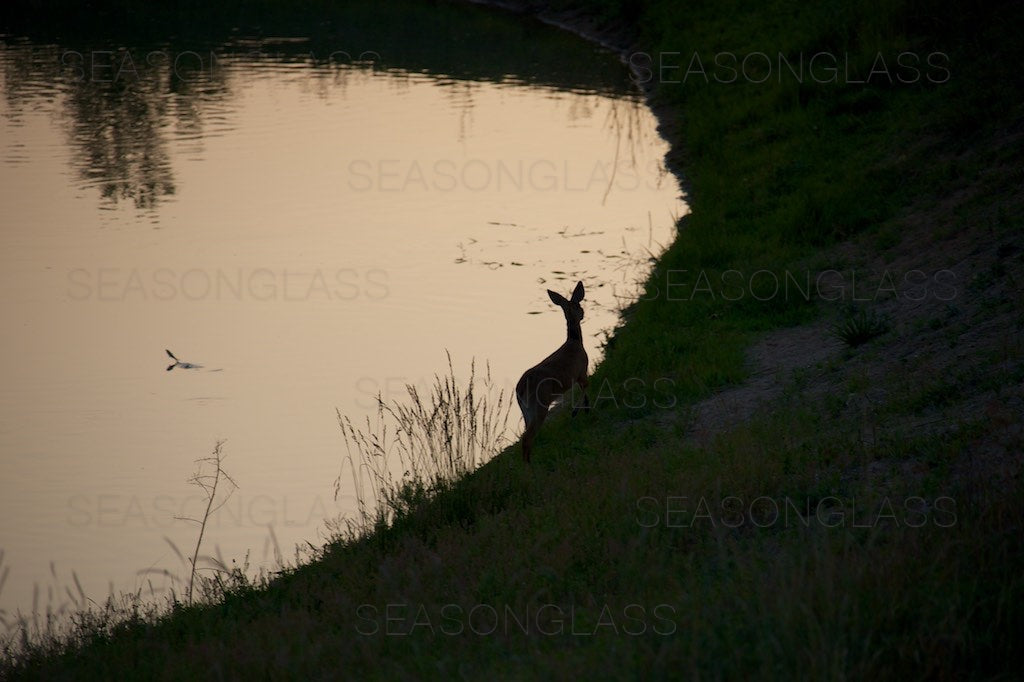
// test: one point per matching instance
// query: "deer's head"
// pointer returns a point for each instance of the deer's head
(571, 306)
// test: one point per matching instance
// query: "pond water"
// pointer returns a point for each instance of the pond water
(312, 219)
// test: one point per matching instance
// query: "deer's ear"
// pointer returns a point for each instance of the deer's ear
(577, 293)
(557, 298)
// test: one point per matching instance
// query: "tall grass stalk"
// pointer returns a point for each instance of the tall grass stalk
(208, 481)
(418, 445)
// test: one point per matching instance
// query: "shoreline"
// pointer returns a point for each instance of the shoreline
(615, 39)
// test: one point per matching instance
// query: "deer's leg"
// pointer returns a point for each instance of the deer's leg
(537, 416)
(531, 431)
(523, 398)
(586, 400)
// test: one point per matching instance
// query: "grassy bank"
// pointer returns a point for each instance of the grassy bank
(753, 495)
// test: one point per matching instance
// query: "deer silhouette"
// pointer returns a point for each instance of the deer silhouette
(557, 373)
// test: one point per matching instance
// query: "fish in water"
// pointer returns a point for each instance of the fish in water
(178, 363)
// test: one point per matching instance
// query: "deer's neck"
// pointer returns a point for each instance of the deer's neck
(573, 330)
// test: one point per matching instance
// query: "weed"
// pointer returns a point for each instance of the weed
(418, 446)
(860, 327)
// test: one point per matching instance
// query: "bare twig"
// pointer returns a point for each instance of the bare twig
(208, 482)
